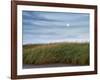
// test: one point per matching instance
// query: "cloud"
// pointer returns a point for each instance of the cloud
(42, 27)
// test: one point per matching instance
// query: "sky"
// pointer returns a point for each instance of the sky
(48, 27)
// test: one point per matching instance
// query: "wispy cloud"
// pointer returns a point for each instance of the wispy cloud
(43, 27)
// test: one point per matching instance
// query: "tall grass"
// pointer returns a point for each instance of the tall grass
(67, 53)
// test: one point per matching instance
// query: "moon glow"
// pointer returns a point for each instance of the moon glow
(68, 25)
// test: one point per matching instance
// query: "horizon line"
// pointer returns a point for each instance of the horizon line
(59, 42)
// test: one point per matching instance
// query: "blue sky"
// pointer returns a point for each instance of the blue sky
(46, 27)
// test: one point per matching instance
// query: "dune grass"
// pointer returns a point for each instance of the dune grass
(67, 53)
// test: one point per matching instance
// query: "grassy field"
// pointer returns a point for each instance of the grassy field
(67, 53)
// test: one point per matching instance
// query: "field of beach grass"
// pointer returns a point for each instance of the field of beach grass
(52, 53)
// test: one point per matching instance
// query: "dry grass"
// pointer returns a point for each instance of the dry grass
(67, 53)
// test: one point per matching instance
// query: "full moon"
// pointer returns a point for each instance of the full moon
(67, 25)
